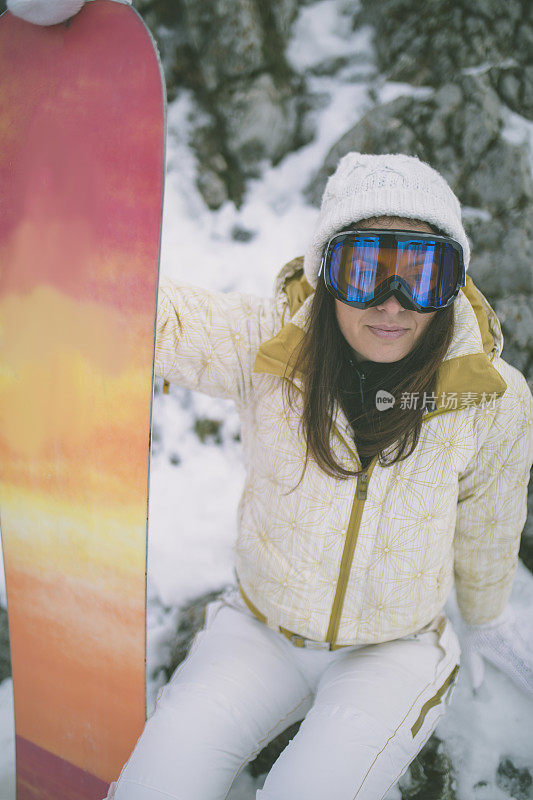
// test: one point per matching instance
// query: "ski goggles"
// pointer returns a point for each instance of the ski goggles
(364, 267)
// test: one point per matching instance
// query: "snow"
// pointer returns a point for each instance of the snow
(471, 212)
(481, 729)
(323, 31)
(195, 486)
(481, 69)
(194, 499)
(7, 740)
(518, 130)
(390, 90)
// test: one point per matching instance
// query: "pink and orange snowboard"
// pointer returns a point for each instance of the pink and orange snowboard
(82, 121)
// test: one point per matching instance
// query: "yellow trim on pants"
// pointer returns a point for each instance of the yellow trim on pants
(433, 701)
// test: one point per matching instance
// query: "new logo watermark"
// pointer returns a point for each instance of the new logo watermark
(384, 400)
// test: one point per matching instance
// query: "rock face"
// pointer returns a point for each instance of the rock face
(430, 776)
(230, 53)
(517, 782)
(422, 49)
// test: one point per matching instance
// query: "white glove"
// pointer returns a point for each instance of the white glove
(500, 642)
(46, 12)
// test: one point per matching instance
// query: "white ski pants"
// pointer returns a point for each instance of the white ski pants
(367, 711)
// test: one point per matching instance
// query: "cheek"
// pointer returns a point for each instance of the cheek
(347, 317)
(424, 323)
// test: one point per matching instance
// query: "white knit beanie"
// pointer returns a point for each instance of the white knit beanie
(393, 185)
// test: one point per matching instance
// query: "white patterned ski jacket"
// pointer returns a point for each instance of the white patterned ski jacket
(373, 558)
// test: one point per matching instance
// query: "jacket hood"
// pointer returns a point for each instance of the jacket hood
(466, 368)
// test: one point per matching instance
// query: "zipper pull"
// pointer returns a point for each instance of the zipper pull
(362, 378)
(362, 485)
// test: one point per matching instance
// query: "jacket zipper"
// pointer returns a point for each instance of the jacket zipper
(352, 532)
(351, 538)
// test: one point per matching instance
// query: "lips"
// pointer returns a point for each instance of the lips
(387, 333)
(383, 328)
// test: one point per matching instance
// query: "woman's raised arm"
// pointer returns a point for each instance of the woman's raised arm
(208, 340)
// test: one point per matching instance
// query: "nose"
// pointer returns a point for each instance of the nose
(391, 305)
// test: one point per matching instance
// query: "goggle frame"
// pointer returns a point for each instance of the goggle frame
(394, 285)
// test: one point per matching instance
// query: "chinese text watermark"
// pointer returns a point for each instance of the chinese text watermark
(430, 400)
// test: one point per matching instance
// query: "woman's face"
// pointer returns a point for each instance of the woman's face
(363, 329)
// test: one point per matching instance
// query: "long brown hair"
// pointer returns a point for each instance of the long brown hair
(323, 359)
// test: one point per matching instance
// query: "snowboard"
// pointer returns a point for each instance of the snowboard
(82, 156)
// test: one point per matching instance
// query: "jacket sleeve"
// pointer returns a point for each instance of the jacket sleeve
(492, 508)
(208, 340)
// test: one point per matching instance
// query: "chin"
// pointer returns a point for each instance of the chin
(387, 351)
(384, 354)
(385, 358)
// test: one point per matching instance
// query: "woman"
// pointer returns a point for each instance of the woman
(387, 449)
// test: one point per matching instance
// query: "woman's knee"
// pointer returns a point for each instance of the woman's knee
(191, 752)
(371, 717)
(345, 753)
(226, 701)
(329, 756)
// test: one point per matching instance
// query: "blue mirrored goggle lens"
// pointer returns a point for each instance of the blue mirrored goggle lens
(360, 268)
